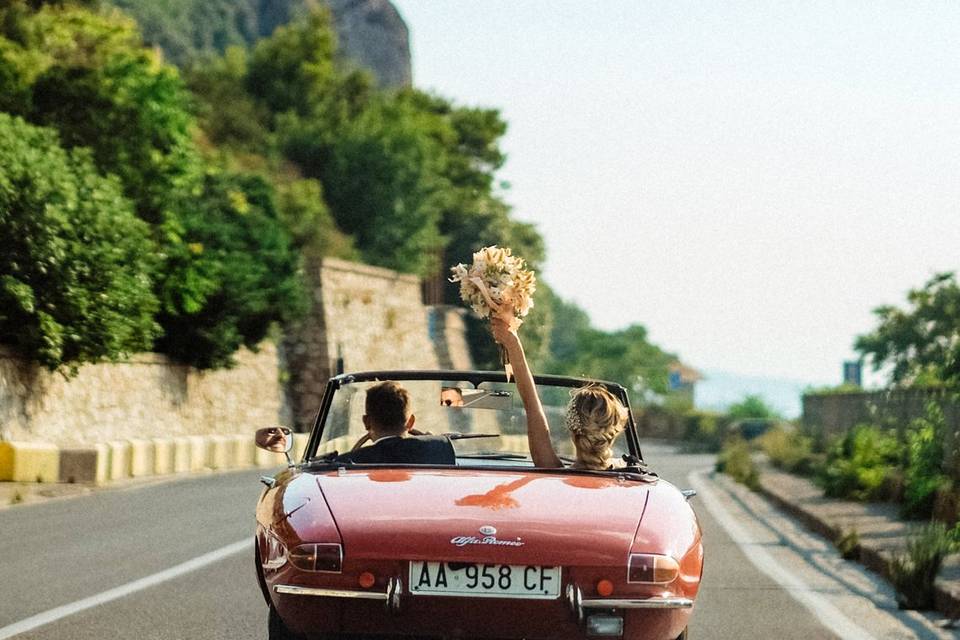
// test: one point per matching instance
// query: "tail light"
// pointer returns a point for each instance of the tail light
(652, 569)
(323, 557)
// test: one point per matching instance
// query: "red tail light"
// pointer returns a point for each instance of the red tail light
(652, 569)
(324, 557)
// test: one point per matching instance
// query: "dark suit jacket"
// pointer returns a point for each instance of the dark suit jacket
(409, 450)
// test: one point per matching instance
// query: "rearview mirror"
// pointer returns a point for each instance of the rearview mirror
(457, 398)
(275, 439)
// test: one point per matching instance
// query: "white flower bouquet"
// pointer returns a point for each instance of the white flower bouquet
(498, 284)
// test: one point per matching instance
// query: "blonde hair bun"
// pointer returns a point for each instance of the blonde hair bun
(595, 417)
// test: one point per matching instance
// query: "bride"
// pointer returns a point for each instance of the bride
(595, 417)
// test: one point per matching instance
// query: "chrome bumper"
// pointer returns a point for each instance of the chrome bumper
(578, 604)
(638, 603)
(391, 596)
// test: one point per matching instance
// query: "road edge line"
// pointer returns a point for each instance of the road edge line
(826, 613)
(57, 613)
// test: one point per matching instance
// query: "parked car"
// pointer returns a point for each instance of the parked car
(482, 546)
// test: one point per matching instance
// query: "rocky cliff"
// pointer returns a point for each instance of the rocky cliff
(371, 32)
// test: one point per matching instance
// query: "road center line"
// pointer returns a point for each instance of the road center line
(829, 615)
(176, 571)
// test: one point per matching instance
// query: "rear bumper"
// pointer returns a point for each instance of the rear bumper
(319, 612)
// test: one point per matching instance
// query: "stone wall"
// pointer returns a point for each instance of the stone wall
(828, 415)
(366, 319)
(145, 397)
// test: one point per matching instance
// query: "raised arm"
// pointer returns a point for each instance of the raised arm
(538, 431)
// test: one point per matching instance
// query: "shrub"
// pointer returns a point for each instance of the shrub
(74, 270)
(789, 450)
(735, 461)
(230, 274)
(704, 430)
(858, 464)
(913, 572)
(923, 476)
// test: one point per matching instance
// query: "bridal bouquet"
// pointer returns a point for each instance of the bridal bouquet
(499, 284)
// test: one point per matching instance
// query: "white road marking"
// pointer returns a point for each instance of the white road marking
(829, 615)
(57, 613)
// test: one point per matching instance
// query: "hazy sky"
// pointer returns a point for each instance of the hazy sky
(746, 179)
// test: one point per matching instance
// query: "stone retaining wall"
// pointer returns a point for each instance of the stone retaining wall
(366, 319)
(827, 415)
(145, 397)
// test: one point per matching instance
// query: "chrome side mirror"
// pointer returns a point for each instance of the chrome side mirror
(689, 493)
(275, 440)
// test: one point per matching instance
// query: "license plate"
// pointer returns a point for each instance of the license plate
(484, 580)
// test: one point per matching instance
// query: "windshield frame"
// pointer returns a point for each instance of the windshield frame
(473, 377)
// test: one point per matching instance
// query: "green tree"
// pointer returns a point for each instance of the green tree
(751, 406)
(625, 356)
(75, 269)
(384, 185)
(920, 344)
(302, 209)
(231, 275)
(87, 74)
(227, 112)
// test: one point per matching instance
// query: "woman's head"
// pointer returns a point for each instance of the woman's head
(595, 417)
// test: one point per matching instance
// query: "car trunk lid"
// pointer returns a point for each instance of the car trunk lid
(485, 516)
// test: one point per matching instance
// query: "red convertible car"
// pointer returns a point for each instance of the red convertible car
(474, 542)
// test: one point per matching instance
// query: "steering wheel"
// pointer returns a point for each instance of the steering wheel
(365, 438)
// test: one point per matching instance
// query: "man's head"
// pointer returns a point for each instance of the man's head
(387, 410)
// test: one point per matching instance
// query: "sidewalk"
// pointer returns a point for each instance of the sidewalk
(881, 532)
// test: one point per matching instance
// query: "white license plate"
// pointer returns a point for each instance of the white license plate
(484, 580)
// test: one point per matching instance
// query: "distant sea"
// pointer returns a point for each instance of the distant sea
(720, 389)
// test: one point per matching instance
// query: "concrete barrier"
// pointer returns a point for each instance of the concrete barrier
(29, 462)
(299, 445)
(198, 453)
(78, 465)
(120, 451)
(246, 450)
(265, 458)
(221, 453)
(181, 454)
(142, 458)
(137, 458)
(102, 473)
(163, 456)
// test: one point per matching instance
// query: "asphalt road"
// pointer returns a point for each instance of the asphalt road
(83, 554)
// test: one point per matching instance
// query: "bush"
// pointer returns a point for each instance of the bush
(923, 476)
(75, 265)
(704, 429)
(735, 461)
(789, 450)
(231, 273)
(913, 573)
(858, 464)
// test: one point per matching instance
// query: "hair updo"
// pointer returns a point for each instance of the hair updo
(595, 417)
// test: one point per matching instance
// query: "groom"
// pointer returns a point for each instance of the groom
(388, 420)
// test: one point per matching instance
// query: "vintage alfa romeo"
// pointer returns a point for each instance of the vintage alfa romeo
(477, 543)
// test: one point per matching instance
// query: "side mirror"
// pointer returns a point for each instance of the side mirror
(275, 439)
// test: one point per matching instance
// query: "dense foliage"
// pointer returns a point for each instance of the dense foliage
(263, 151)
(923, 474)
(87, 74)
(859, 464)
(75, 266)
(240, 261)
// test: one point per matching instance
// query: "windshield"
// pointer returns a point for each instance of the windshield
(491, 416)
